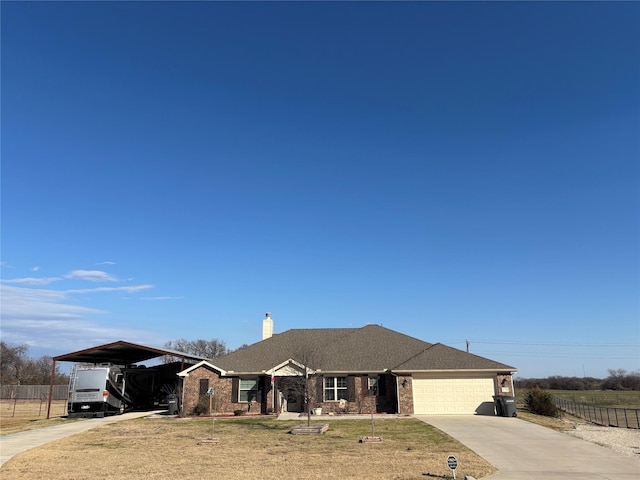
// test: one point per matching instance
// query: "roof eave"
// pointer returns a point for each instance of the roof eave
(203, 363)
(232, 373)
(352, 372)
(456, 370)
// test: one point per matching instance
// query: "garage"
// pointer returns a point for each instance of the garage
(442, 395)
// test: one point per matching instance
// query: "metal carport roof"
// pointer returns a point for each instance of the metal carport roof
(119, 353)
(122, 353)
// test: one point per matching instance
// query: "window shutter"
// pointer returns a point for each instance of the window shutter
(351, 388)
(319, 389)
(235, 385)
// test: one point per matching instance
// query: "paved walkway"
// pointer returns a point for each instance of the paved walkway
(16, 443)
(303, 416)
(289, 416)
(522, 450)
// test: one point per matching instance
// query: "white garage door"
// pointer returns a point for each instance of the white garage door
(452, 395)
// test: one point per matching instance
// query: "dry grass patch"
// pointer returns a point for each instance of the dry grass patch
(561, 424)
(249, 449)
(17, 416)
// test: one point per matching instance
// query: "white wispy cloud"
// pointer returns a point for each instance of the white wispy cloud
(32, 280)
(19, 303)
(70, 334)
(129, 289)
(161, 298)
(106, 263)
(35, 269)
(50, 318)
(58, 318)
(91, 275)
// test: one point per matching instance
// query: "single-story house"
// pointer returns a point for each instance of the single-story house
(371, 369)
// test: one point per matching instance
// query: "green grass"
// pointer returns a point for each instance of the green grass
(601, 398)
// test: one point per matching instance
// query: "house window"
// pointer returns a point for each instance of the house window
(204, 386)
(335, 388)
(248, 391)
(373, 386)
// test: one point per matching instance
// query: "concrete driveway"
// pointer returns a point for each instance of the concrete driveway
(16, 443)
(522, 450)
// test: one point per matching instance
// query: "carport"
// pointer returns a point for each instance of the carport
(118, 353)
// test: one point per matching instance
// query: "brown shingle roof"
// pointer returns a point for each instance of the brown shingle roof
(371, 348)
(442, 357)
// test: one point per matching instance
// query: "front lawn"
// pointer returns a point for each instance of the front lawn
(250, 448)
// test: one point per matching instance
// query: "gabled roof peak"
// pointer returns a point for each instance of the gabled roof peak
(203, 363)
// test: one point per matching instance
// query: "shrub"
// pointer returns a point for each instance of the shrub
(237, 413)
(540, 402)
(202, 407)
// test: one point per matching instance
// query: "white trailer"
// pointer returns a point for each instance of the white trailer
(106, 389)
(96, 391)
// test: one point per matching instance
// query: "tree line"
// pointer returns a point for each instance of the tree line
(213, 348)
(18, 368)
(618, 379)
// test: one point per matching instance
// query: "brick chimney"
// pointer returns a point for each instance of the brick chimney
(267, 327)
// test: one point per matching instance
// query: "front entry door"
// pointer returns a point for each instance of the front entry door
(295, 402)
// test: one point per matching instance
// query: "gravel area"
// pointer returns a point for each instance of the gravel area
(620, 440)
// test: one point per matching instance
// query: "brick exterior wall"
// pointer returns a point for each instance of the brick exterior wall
(360, 400)
(223, 388)
(363, 402)
(506, 390)
(405, 392)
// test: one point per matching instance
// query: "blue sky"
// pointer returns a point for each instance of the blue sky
(453, 171)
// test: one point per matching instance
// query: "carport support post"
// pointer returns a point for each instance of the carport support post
(53, 373)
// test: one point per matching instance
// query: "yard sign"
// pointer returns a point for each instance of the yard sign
(452, 463)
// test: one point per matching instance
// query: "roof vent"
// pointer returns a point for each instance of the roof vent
(267, 327)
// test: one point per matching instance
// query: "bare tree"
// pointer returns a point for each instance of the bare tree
(17, 368)
(620, 379)
(308, 361)
(203, 348)
(14, 364)
(41, 373)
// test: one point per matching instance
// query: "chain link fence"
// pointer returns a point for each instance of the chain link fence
(30, 402)
(33, 392)
(607, 416)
